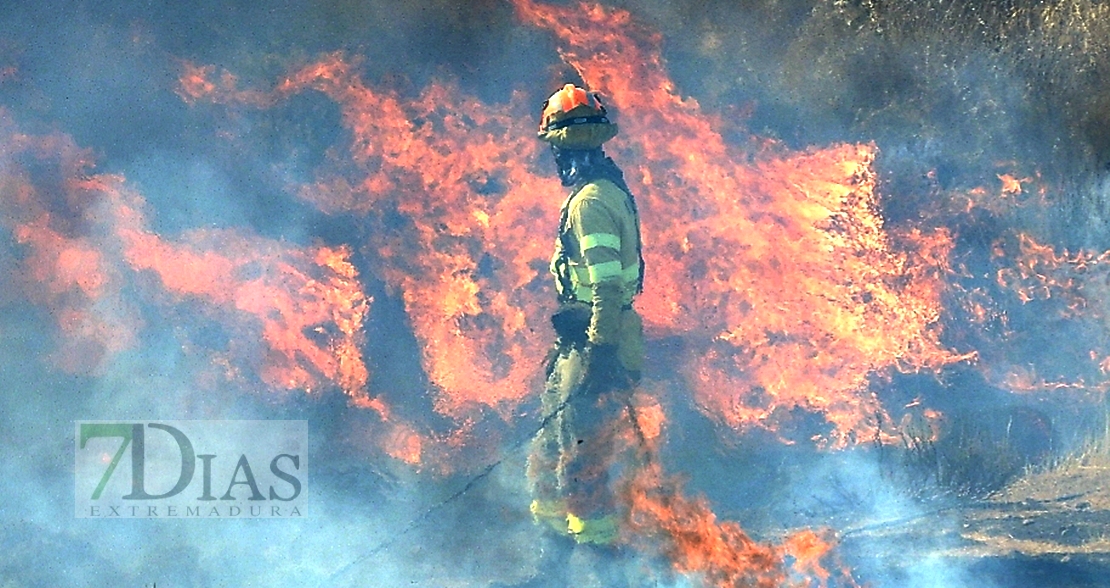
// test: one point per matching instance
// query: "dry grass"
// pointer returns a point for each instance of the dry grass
(1075, 477)
(965, 462)
(956, 87)
(1094, 453)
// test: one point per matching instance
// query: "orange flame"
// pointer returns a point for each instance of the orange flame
(775, 266)
(692, 539)
(64, 269)
(1067, 290)
(720, 553)
(780, 274)
(294, 316)
(1038, 273)
(308, 305)
(1010, 184)
(781, 269)
(456, 175)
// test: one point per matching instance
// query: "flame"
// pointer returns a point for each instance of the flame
(691, 538)
(298, 300)
(781, 270)
(650, 417)
(720, 553)
(456, 175)
(194, 84)
(1012, 185)
(1025, 287)
(1069, 290)
(293, 316)
(809, 549)
(773, 265)
(63, 268)
(403, 443)
(662, 519)
(1035, 272)
(780, 274)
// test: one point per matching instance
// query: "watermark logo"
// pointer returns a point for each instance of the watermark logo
(190, 469)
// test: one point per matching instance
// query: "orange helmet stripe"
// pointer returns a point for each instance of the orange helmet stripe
(568, 98)
(572, 96)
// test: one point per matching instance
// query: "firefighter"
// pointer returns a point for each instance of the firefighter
(598, 353)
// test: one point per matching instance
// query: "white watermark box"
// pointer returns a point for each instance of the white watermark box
(190, 469)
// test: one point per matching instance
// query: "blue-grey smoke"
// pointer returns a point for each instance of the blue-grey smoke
(105, 74)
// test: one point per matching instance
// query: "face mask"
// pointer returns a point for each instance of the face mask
(570, 164)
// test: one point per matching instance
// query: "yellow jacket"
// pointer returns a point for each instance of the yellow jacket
(597, 255)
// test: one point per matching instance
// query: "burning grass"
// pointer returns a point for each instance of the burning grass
(947, 89)
(794, 272)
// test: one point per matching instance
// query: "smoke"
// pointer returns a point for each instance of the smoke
(105, 156)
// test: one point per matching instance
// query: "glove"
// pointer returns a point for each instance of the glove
(604, 371)
(571, 322)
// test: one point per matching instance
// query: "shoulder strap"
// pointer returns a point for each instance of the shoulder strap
(562, 263)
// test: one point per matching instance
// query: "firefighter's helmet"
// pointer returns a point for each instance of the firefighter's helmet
(575, 119)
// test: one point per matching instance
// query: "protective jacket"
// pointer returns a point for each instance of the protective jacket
(597, 261)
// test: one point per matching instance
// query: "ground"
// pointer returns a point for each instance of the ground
(1047, 528)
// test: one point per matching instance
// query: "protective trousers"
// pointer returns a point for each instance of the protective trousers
(586, 442)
